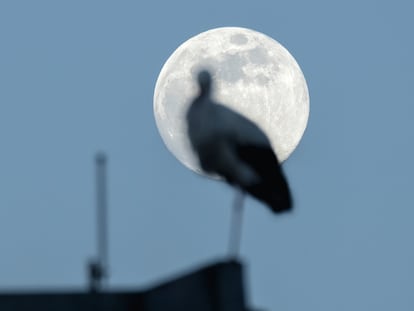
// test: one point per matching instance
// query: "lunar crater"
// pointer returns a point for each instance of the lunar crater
(238, 39)
(259, 56)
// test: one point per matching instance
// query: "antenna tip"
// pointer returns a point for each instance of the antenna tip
(100, 157)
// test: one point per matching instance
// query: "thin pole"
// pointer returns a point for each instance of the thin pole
(101, 213)
(236, 224)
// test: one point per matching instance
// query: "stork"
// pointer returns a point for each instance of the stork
(233, 147)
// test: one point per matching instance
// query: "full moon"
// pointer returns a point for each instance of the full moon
(252, 74)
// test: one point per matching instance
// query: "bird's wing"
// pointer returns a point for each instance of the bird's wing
(243, 130)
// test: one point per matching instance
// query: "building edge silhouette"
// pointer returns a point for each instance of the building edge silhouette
(218, 286)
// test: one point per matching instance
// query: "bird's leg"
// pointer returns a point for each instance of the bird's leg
(236, 223)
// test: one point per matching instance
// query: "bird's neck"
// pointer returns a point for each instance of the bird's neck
(203, 100)
(205, 92)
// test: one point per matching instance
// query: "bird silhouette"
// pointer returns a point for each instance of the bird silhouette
(233, 147)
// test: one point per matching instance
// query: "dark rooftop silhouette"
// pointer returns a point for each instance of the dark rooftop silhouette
(215, 287)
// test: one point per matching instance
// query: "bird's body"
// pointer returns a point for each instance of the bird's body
(233, 147)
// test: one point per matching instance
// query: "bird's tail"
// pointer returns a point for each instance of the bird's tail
(274, 192)
(273, 188)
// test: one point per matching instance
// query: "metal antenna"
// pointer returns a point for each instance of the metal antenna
(98, 268)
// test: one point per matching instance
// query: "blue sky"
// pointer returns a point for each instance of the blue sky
(78, 76)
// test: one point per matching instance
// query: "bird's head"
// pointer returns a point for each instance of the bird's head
(204, 81)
